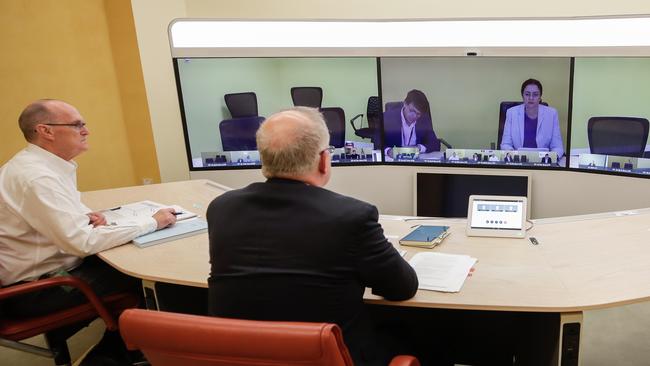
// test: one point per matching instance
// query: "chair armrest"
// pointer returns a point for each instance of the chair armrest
(354, 119)
(71, 281)
(403, 360)
(442, 141)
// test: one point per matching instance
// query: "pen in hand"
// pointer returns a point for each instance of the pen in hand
(177, 213)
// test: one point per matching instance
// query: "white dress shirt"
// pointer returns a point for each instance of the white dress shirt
(43, 224)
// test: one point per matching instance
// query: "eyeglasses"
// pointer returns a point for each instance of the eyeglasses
(329, 149)
(77, 125)
(532, 95)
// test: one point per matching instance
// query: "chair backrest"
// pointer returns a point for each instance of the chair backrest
(168, 339)
(503, 108)
(393, 105)
(307, 96)
(241, 104)
(373, 112)
(335, 119)
(623, 136)
(238, 134)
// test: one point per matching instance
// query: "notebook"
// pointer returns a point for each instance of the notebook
(181, 229)
(425, 236)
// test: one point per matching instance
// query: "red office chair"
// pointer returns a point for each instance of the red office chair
(170, 339)
(60, 325)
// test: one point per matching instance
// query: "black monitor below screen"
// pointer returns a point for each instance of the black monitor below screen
(447, 195)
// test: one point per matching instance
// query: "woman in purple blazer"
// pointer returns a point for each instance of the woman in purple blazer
(531, 125)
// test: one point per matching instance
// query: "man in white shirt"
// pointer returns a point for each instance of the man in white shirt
(45, 229)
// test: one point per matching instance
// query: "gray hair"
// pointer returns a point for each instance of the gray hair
(290, 141)
(35, 113)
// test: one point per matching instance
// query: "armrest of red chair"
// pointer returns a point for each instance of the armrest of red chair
(71, 281)
(404, 361)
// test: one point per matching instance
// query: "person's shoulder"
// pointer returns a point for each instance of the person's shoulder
(515, 109)
(343, 202)
(392, 114)
(22, 167)
(547, 109)
(231, 196)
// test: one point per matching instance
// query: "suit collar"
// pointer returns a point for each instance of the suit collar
(284, 181)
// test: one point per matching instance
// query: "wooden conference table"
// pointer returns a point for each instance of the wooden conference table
(581, 262)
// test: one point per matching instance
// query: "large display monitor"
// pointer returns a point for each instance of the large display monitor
(224, 100)
(470, 110)
(611, 108)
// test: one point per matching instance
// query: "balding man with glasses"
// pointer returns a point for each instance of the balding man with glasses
(289, 249)
(45, 229)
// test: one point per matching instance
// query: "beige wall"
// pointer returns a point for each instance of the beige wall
(554, 193)
(64, 49)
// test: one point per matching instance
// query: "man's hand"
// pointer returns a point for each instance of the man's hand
(165, 217)
(96, 219)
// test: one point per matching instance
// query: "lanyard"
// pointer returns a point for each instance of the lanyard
(405, 141)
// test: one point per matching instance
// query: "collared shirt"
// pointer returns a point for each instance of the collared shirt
(43, 223)
(409, 135)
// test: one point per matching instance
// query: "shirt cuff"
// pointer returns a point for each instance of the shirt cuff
(422, 148)
(148, 225)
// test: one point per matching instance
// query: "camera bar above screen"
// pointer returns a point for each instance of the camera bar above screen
(225, 100)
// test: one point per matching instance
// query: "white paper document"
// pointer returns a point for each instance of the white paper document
(441, 272)
(126, 213)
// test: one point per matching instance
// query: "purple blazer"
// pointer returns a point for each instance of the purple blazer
(548, 129)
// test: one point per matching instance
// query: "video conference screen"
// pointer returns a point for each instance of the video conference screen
(224, 101)
(473, 110)
(609, 130)
(453, 111)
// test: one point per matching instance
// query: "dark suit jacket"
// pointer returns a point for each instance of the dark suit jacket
(285, 250)
(423, 130)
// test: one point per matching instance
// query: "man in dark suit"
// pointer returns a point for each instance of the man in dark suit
(288, 249)
(546, 159)
(410, 125)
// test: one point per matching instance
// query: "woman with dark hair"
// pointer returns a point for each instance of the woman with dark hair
(531, 125)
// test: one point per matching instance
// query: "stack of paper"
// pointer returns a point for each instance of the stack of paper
(441, 272)
(127, 213)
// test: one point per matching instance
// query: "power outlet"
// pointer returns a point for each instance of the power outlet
(147, 181)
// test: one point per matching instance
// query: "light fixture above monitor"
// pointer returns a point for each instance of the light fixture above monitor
(406, 37)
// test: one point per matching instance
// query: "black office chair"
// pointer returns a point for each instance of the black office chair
(503, 108)
(616, 165)
(238, 134)
(628, 166)
(621, 136)
(392, 105)
(241, 104)
(307, 96)
(335, 119)
(373, 115)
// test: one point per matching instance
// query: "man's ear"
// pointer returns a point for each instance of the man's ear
(324, 163)
(44, 132)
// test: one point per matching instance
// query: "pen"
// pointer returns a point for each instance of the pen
(115, 208)
(177, 213)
